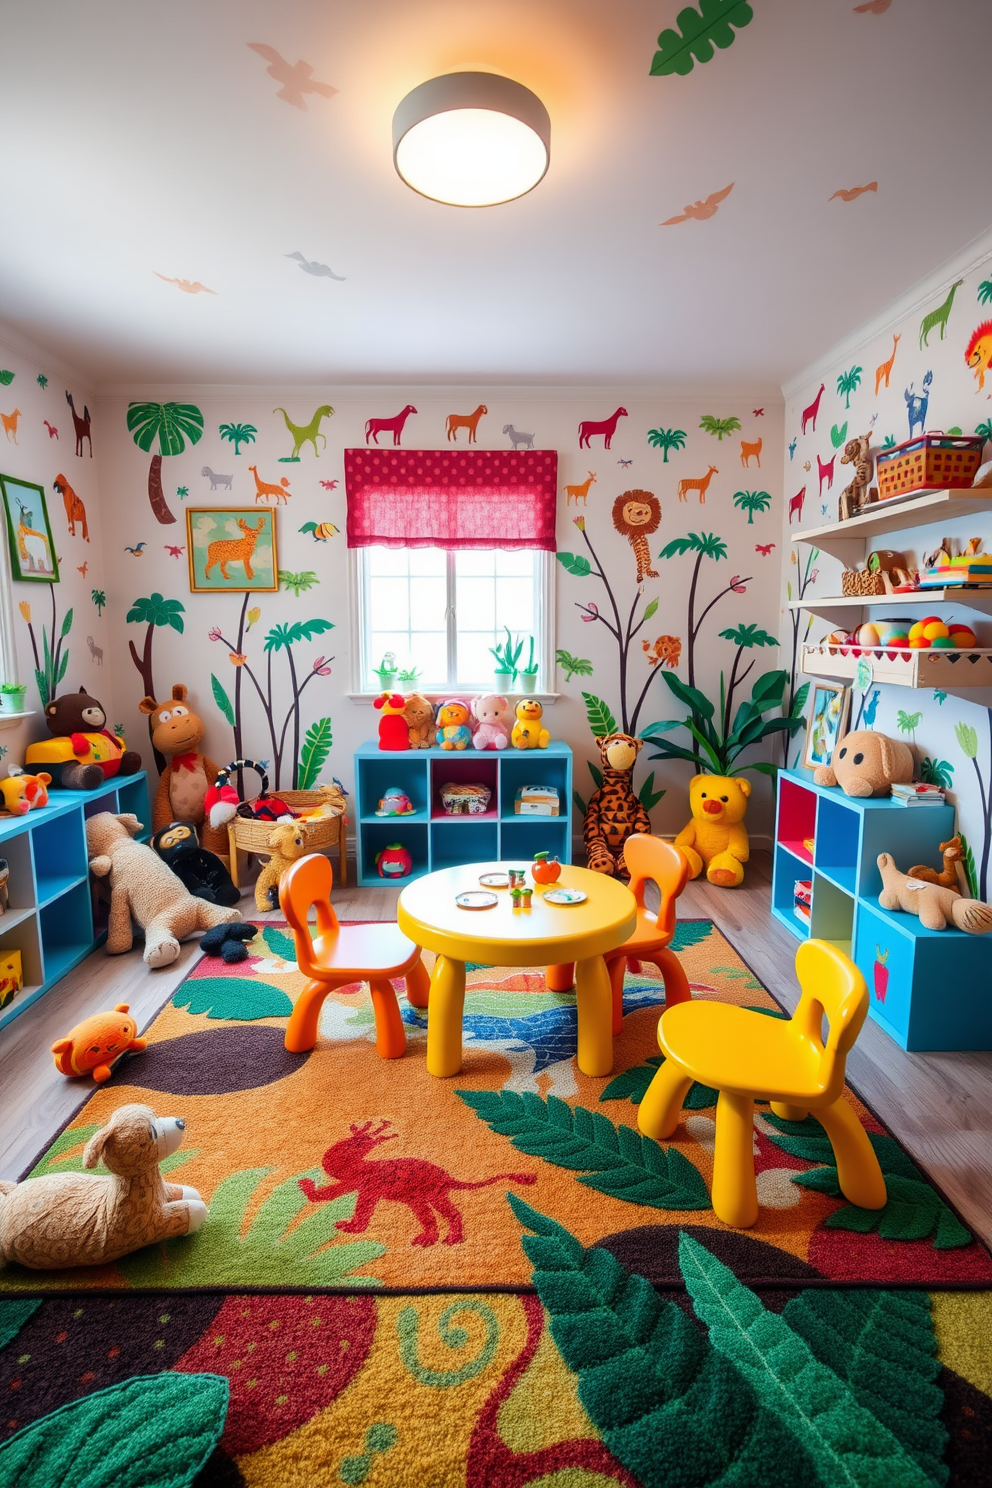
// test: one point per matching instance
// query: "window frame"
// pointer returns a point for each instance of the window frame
(545, 615)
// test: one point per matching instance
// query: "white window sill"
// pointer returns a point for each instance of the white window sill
(11, 720)
(367, 698)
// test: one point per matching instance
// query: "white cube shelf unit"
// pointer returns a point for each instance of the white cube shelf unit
(51, 918)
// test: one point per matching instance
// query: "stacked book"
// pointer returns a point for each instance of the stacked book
(917, 794)
(803, 905)
(974, 570)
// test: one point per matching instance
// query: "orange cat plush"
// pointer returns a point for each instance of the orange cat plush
(94, 1044)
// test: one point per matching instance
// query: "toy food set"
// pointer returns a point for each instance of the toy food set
(521, 896)
(537, 800)
(394, 861)
(803, 907)
(461, 799)
(4, 889)
(11, 976)
(933, 461)
(395, 803)
(545, 869)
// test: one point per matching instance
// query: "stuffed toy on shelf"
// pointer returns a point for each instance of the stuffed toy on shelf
(394, 732)
(614, 813)
(454, 721)
(866, 764)
(419, 715)
(529, 731)
(22, 793)
(83, 752)
(492, 721)
(201, 872)
(716, 838)
(936, 906)
(177, 732)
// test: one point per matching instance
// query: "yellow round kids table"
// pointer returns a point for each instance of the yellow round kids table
(544, 935)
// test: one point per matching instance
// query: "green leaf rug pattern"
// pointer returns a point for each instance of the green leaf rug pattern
(153, 1431)
(240, 997)
(13, 1315)
(699, 31)
(914, 1210)
(614, 1160)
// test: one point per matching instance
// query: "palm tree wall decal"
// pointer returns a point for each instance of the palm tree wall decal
(704, 545)
(153, 611)
(847, 383)
(751, 502)
(719, 426)
(667, 439)
(745, 638)
(171, 424)
(99, 598)
(238, 434)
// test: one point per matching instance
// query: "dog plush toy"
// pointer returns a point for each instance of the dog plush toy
(716, 838)
(81, 1219)
(614, 813)
(93, 1045)
(286, 844)
(935, 905)
(867, 764)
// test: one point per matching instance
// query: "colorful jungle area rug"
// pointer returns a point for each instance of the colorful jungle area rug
(492, 1280)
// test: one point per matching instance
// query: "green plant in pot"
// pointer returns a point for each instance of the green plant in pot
(12, 696)
(507, 654)
(719, 739)
(408, 677)
(386, 671)
(527, 676)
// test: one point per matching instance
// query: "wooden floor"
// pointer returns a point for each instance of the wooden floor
(938, 1105)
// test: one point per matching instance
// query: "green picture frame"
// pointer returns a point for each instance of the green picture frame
(244, 536)
(33, 559)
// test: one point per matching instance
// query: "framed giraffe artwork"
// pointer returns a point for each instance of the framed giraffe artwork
(231, 549)
(29, 532)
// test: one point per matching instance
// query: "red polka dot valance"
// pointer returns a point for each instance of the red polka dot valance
(451, 498)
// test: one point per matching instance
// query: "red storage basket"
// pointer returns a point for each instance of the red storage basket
(933, 461)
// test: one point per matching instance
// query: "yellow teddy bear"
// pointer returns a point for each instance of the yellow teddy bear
(716, 838)
(529, 731)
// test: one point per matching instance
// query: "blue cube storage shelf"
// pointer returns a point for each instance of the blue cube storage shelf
(436, 840)
(929, 989)
(52, 918)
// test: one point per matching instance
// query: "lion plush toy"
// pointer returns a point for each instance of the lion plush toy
(716, 838)
(614, 813)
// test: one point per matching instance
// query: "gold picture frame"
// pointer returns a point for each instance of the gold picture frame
(231, 550)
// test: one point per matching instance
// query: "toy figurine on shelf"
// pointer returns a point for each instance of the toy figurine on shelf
(453, 725)
(394, 733)
(528, 731)
(419, 714)
(395, 802)
(492, 729)
(394, 861)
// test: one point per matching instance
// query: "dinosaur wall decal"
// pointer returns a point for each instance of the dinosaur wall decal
(305, 433)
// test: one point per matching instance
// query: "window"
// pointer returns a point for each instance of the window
(440, 612)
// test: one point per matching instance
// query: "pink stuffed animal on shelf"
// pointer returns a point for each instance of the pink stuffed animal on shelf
(492, 728)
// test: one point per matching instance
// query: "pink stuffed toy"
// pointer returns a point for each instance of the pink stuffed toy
(492, 729)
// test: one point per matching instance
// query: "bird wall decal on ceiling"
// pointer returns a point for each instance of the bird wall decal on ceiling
(296, 80)
(854, 192)
(188, 286)
(319, 270)
(701, 210)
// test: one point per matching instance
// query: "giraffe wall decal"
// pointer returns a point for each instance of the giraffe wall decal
(939, 316)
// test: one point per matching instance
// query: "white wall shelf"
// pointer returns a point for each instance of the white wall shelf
(845, 610)
(949, 670)
(846, 540)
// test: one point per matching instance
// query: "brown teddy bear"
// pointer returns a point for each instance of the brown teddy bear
(936, 906)
(286, 844)
(419, 715)
(867, 764)
(176, 730)
(144, 889)
(83, 752)
(80, 1219)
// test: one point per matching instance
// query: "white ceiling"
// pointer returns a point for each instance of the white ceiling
(147, 137)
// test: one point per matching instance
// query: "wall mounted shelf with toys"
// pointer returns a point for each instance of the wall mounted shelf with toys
(436, 828)
(948, 670)
(846, 540)
(51, 920)
(927, 988)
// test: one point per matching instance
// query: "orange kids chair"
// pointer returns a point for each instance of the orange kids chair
(339, 954)
(747, 1056)
(649, 859)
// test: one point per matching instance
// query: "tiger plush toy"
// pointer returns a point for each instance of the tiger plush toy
(614, 813)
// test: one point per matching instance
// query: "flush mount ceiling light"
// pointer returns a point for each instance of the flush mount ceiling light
(471, 139)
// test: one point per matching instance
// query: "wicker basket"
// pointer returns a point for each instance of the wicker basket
(934, 461)
(858, 583)
(252, 836)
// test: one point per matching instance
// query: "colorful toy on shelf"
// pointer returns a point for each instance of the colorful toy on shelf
(83, 753)
(614, 813)
(176, 732)
(528, 731)
(201, 872)
(492, 721)
(222, 802)
(394, 861)
(23, 793)
(286, 844)
(143, 888)
(419, 715)
(855, 497)
(716, 838)
(545, 869)
(11, 976)
(867, 764)
(80, 1219)
(395, 802)
(935, 905)
(394, 733)
(94, 1045)
(454, 720)
(461, 798)
(952, 854)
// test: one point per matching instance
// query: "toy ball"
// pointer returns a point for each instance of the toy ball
(394, 861)
(943, 643)
(838, 638)
(935, 630)
(94, 1045)
(963, 636)
(893, 632)
(868, 634)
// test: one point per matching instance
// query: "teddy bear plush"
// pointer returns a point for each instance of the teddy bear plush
(529, 731)
(867, 764)
(614, 813)
(177, 731)
(286, 844)
(419, 715)
(83, 752)
(142, 887)
(935, 905)
(716, 839)
(453, 720)
(82, 1219)
(492, 726)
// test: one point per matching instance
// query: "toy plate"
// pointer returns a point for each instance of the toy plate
(475, 899)
(565, 896)
(494, 880)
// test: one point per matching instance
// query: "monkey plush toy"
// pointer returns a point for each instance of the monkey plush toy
(200, 871)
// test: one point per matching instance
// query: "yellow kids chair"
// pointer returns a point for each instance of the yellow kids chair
(648, 859)
(747, 1056)
(342, 954)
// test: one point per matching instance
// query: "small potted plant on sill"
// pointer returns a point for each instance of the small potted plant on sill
(507, 655)
(408, 677)
(527, 676)
(12, 695)
(386, 671)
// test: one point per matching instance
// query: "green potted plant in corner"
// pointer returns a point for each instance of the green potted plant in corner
(507, 655)
(386, 671)
(527, 676)
(12, 695)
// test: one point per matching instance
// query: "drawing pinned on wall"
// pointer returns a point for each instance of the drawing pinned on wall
(99, 598)
(75, 511)
(6, 377)
(763, 548)
(29, 532)
(751, 451)
(751, 502)
(667, 439)
(9, 422)
(720, 428)
(297, 583)
(978, 353)
(580, 492)
(469, 421)
(296, 80)
(138, 551)
(81, 425)
(811, 414)
(917, 404)
(825, 471)
(173, 551)
(698, 483)
(712, 25)
(304, 433)
(636, 514)
(53, 433)
(700, 211)
(317, 269)
(592, 428)
(518, 438)
(188, 286)
(847, 383)
(796, 505)
(884, 371)
(376, 426)
(665, 650)
(238, 434)
(938, 317)
(838, 434)
(852, 193)
(330, 485)
(231, 549)
(170, 425)
(320, 531)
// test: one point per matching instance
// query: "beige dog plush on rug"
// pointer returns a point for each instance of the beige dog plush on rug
(79, 1219)
(145, 889)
